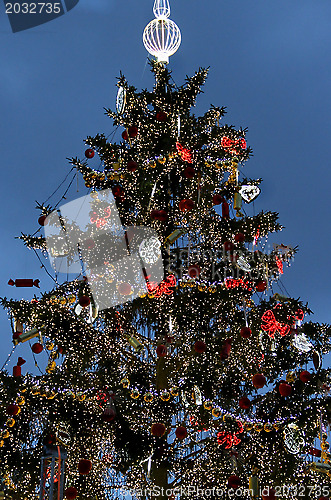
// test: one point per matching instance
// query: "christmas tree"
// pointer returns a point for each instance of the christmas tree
(180, 371)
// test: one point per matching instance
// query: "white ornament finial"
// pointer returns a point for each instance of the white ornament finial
(161, 9)
(162, 36)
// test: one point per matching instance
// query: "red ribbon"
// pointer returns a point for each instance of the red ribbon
(279, 263)
(185, 154)
(271, 325)
(163, 287)
(235, 145)
(237, 283)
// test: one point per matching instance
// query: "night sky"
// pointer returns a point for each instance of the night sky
(270, 65)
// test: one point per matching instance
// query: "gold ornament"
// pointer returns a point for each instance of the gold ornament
(62, 301)
(50, 346)
(5, 434)
(20, 400)
(153, 164)
(258, 427)
(71, 298)
(10, 422)
(277, 426)
(1, 445)
(268, 427)
(237, 202)
(50, 394)
(290, 377)
(202, 288)
(248, 426)
(135, 394)
(81, 396)
(216, 412)
(207, 405)
(212, 289)
(148, 397)
(50, 368)
(35, 390)
(162, 160)
(174, 391)
(165, 396)
(125, 383)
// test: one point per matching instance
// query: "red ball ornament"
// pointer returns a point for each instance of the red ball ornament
(234, 482)
(181, 432)
(84, 467)
(161, 116)
(108, 415)
(324, 498)
(124, 289)
(37, 348)
(285, 389)
(161, 350)
(261, 286)
(194, 271)
(245, 332)
(158, 430)
(89, 153)
(228, 246)
(239, 238)
(125, 135)
(200, 346)
(244, 403)
(84, 301)
(12, 410)
(42, 220)
(71, 493)
(259, 381)
(305, 376)
(163, 215)
(189, 172)
(132, 166)
(154, 214)
(133, 131)
(217, 199)
(268, 494)
(189, 204)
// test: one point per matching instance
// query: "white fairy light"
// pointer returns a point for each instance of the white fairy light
(162, 36)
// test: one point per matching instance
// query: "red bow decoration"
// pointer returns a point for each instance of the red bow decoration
(235, 145)
(228, 438)
(185, 154)
(100, 221)
(237, 283)
(163, 287)
(271, 325)
(104, 397)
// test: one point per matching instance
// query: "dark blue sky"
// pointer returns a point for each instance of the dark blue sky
(270, 64)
